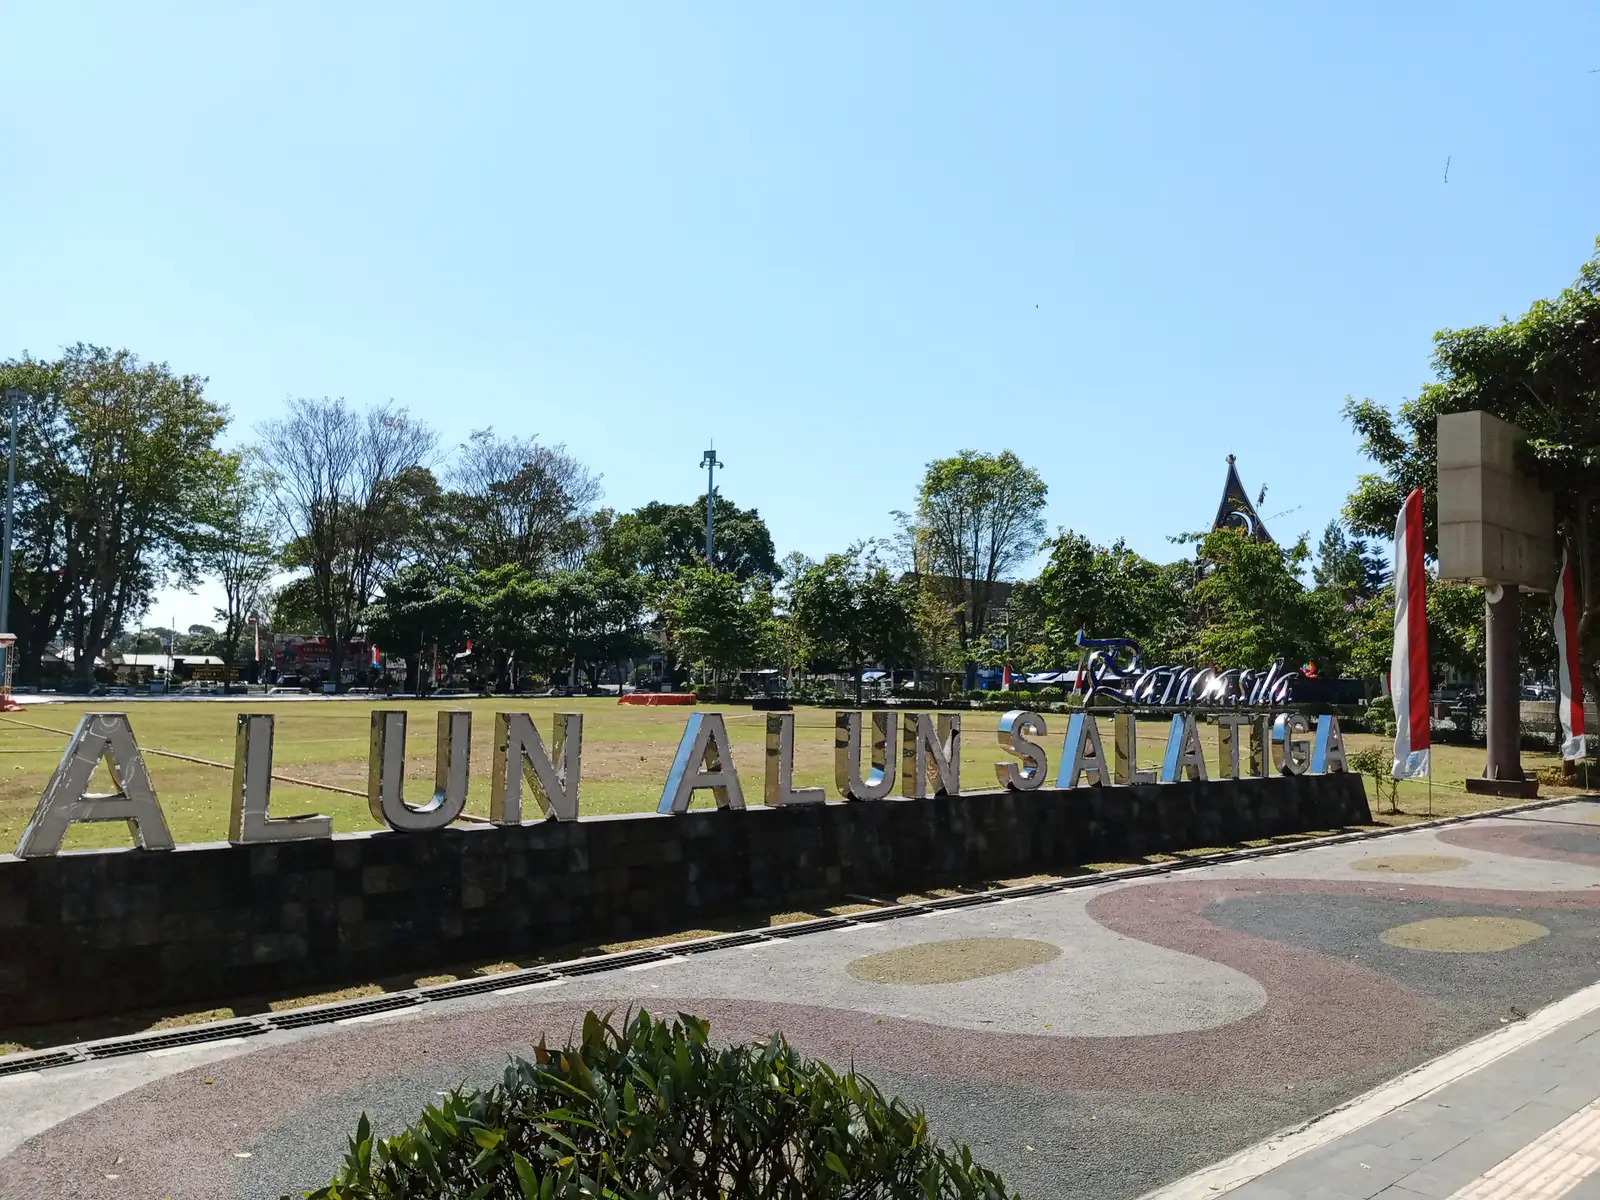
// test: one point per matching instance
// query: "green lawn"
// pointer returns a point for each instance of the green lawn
(627, 751)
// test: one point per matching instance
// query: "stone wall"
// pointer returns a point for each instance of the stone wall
(93, 932)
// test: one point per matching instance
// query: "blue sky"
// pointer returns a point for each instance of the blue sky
(839, 238)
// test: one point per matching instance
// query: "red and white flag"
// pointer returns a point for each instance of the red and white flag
(1569, 682)
(1408, 670)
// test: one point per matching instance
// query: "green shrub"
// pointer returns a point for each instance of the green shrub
(653, 1111)
(1380, 715)
(1377, 762)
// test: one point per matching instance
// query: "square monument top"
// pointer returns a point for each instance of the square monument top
(1495, 523)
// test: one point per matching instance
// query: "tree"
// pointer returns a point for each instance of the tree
(237, 548)
(422, 605)
(115, 475)
(1106, 591)
(1250, 606)
(1347, 566)
(659, 539)
(849, 608)
(517, 501)
(978, 518)
(1540, 372)
(350, 489)
(715, 618)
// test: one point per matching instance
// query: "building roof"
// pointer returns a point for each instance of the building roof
(1236, 511)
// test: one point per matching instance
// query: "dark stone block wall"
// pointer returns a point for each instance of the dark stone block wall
(95, 932)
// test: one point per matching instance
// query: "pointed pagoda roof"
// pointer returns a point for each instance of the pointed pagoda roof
(1236, 511)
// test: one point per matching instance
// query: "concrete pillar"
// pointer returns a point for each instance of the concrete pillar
(1502, 695)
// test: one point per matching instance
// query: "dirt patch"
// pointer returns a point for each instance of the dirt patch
(1464, 935)
(952, 961)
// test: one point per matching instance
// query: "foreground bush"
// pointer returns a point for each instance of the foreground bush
(653, 1110)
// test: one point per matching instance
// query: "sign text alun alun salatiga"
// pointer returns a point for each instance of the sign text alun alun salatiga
(1250, 745)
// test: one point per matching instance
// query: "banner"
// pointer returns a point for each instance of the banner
(1569, 682)
(1408, 670)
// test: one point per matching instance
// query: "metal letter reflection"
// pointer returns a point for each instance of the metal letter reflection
(386, 768)
(252, 790)
(67, 800)
(519, 756)
(1082, 754)
(1184, 756)
(921, 748)
(847, 756)
(703, 761)
(1327, 752)
(1017, 729)
(780, 789)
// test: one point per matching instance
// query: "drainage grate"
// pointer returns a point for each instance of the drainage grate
(964, 901)
(326, 1014)
(892, 913)
(16, 1064)
(720, 943)
(170, 1039)
(609, 962)
(799, 928)
(1029, 889)
(484, 983)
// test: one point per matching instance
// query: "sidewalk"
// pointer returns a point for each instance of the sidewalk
(1523, 1124)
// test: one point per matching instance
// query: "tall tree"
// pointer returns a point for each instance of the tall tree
(422, 606)
(45, 518)
(978, 518)
(237, 547)
(517, 501)
(125, 452)
(849, 608)
(715, 618)
(349, 490)
(1347, 565)
(1250, 605)
(1107, 591)
(1540, 372)
(658, 539)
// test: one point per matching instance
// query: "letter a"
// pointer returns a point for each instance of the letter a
(702, 761)
(67, 800)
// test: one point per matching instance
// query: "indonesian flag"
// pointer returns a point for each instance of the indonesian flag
(1408, 671)
(1569, 683)
(1005, 678)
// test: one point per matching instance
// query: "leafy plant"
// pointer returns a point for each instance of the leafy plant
(1380, 715)
(653, 1110)
(1375, 762)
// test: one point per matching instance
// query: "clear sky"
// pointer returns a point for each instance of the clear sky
(841, 239)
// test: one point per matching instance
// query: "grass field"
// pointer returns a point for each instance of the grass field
(626, 754)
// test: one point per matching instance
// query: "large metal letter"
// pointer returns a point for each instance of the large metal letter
(66, 799)
(252, 790)
(1125, 735)
(1184, 756)
(1082, 753)
(1327, 752)
(920, 746)
(780, 788)
(1231, 728)
(1017, 727)
(704, 760)
(519, 755)
(386, 771)
(1291, 729)
(879, 781)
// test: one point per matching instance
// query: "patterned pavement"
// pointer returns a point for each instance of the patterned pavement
(1097, 1042)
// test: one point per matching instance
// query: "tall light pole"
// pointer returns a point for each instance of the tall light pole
(708, 460)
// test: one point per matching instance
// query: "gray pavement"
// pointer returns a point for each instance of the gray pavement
(1094, 1042)
(1507, 1129)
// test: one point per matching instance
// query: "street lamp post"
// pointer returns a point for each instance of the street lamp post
(708, 460)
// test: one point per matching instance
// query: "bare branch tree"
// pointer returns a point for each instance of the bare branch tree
(518, 501)
(346, 489)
